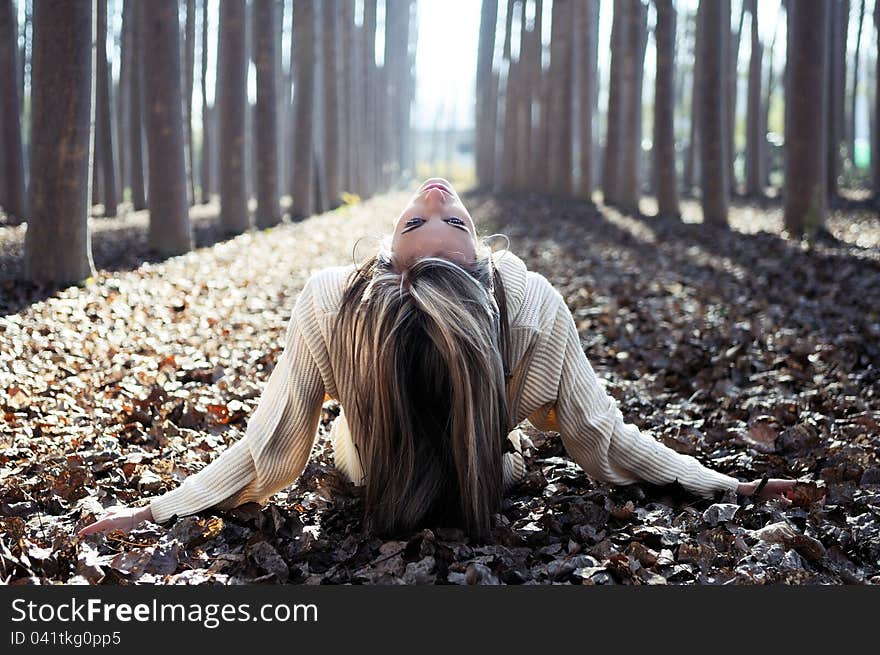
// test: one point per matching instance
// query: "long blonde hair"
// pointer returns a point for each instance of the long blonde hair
(427, 347)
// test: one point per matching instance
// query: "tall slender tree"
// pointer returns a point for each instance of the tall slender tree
(303, 148)
(370, 127)
(560, 161)
(754, 116)
(485, 134)
(875, 149)
(631, 143)
(232, 107)
(854, 94)
(586, 16)
(205, 157)
(104, 116)
(807, 96)
(170, 229)
(57, 247)
(14, 200)
(839, 22)
(714, 170)
(266, 123)
(330, 79)
(664, 109)
(189, 65)
(616, 104)
(135, 107)
(691, 159)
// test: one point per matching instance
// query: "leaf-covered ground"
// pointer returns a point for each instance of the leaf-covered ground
(755, 354)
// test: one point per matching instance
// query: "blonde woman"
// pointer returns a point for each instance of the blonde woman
(436, 348)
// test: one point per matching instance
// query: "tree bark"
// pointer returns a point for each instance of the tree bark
(371, 126)
(170, 230)
(331, 112)
(714, 182)
(188, 77)
(664, 111)
(57, 245)
(691, 155)
(631, 142)
(266, 123)
(839, 22)
(875, 149)
(805, 141)
(560, 159)
(14, 200)
(732, 68)
(755, 136)
(616, 104)
(303, 104)
(205, 155)
(485, 133)
(104, 116)
(232, 108)
(851, 122)
(586, 17)
(135, 107)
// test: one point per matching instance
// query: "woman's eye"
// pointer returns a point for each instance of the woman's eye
(456, 220)
(413, 221)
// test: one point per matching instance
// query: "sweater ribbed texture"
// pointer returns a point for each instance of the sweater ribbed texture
(553, 385)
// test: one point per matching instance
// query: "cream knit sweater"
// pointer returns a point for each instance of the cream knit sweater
(554, 386)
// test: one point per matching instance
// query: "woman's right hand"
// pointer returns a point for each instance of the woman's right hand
(776, 488)
(118, 517)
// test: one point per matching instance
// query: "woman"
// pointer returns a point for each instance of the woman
(436, 348)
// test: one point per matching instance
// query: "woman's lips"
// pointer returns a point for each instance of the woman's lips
(437, 185)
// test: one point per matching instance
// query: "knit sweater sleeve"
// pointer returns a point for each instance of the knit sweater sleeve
(592, 426)
(278, 438)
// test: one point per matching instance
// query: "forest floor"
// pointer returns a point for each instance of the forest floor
(752, 353)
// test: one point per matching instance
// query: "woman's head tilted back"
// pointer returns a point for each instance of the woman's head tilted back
(423, 328)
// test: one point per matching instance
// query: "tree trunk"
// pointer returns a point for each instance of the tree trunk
(104, 115)
(586, 17)
(631, 143)
(664, 111)
(354, 100)
(205, 156)
(485, 136)
(755, 136)
(507, 170)
(232, 107)
(266, 123)
(123, 96)
(806, 155)
(57, 245)
(875, 150)
(851, 122)
(370, 128)
(170, 230)
(561, 51)
(712, 113)
(188, 77)
(537, 86)
(330, 81)
(135, 107)
(616, 104)
(839, 20)
(768, 97)
(303, 103)
(691, 155)
(732, 69)
(13, 186)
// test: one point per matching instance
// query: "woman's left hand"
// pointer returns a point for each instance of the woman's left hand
(775, 488)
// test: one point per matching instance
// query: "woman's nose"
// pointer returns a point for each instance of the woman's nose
(434, 198)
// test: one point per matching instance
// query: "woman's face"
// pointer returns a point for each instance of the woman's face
(434, 223)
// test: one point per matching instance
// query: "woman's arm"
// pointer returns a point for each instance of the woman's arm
(274, 449)
(597, 437)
